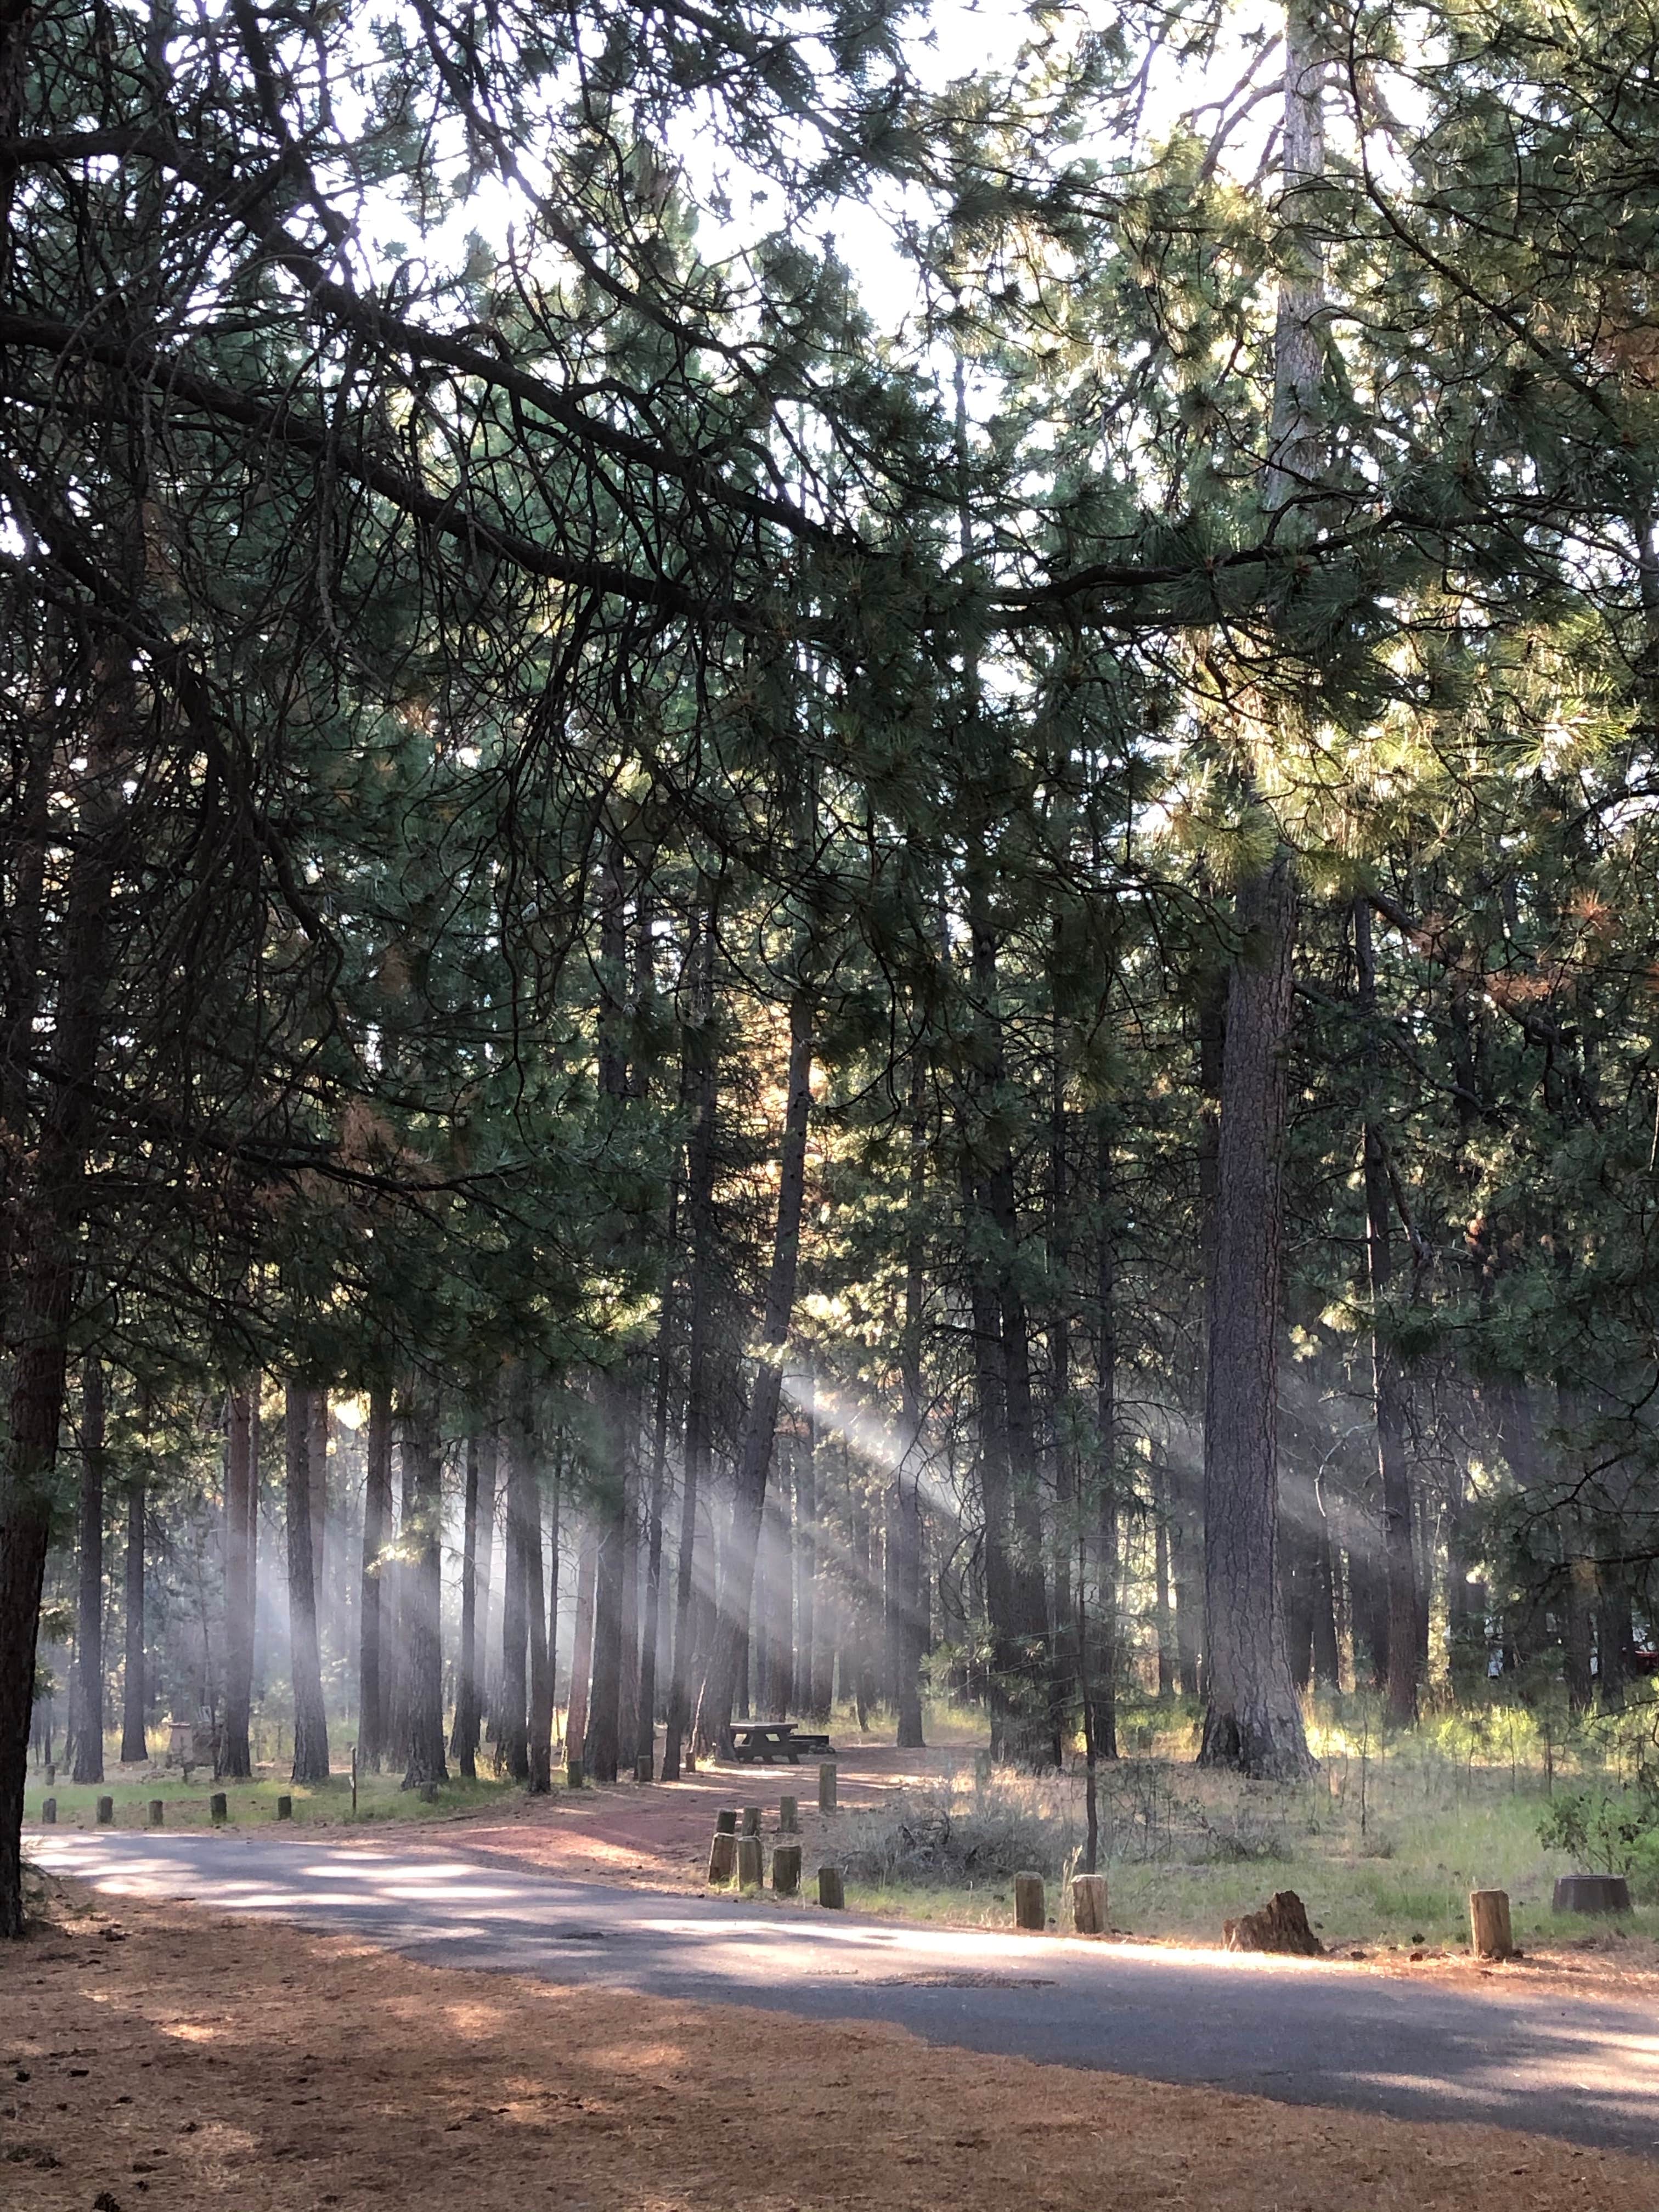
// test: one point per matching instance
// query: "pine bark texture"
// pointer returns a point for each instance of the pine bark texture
(86, 1721)
(311, 1758)
(422, 1535)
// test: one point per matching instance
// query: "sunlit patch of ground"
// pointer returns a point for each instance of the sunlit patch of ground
(346, 2077)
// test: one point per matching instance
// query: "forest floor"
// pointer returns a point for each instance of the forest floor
(166, 2054)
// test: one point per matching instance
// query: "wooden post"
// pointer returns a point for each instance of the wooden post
(1029, 1910)
(789, 1816)
(157, 1810)
(1089, 1903)
(832, 1894)
(284, 1808)
(573, 1771)
(51, 1776)
(751, 1863)
(725, 1820)
(827, 1787)
(1489, 1923)
(354, 1781)
(645, 1766)
(218, 1809)
(722, 1856)
(785, 1870)
(105, 1812)
(751, 1819)
(49, 1813)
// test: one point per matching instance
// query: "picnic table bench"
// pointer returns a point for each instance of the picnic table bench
(763, 1742)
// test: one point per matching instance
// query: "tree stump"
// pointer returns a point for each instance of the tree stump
(105, 1812)
(157, 1810)
(1089, 1903)
(1030, 1909)
(218, 1809)
(827, 1787)
(789, 1816)
(725, 1820)
(751, 1819)
(49, 1813)
(751, 1863)
(785, 1870)
(1280, 1925)
(832, 1894)
(1489, 1923)
(1591, 1893)
(722, 1856)
(572, 1771)
(284, 1808)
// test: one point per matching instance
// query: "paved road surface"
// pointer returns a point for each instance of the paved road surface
(1585, 2069)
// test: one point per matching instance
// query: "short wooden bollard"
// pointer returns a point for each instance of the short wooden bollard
(218, 1808)
(49, 1813)
(1029, 1908)
(1089, 1903)
(751, 1819)
(645, 1766)
(284, 1808)
(157, 1812)
(572, 1771)
(51, 1775)
(751, 1863)
(105, 1812)
(826, 1788)
(832, 1893)
(789, 1816)
(722, 1856)
(1489, 1923)
(725, 1820)
(785, 1870)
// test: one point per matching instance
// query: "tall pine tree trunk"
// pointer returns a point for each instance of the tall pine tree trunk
(310, 1762)
(910, 1636)
(86, 1720)
(421, 1538)
(760, 1422)
(373, 1612)
(513, 1718)
(135, 1745)
(235, 1752)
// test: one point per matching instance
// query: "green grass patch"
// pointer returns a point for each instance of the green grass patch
(254, 1803)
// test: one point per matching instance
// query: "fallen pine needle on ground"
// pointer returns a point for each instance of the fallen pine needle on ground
(160, 2057)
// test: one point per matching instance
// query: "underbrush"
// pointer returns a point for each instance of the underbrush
(1383, 1844)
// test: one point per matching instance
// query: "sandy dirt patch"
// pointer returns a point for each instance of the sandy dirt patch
(159, 2055)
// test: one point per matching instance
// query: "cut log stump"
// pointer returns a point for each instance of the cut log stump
(725, 1820)
(49, 1813)
(218, 1808)
(572, 1771)
(832, 1891)
(1489, 1923)
(722, 1856)
(1089, 1903)
(105, 1812)
(157, 1811)
(827, 1788)
(1280, 1925)
(785, 1870)
(1591, 1893)
(751, 1863)
(789, 1816)
(645, 1766)
(1030, 1909)
(284, 1808)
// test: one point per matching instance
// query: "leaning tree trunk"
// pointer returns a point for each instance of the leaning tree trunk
(135, 1747)
(423, 1594)
(235, 1753)
(760, 1423)
(86, 1721)
(310, 1762)
(373, 1609)
(1252, 1717)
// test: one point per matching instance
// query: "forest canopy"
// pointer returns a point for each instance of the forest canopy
(827, 869)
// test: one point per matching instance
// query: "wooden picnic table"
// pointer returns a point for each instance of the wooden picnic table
(763, 1742)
